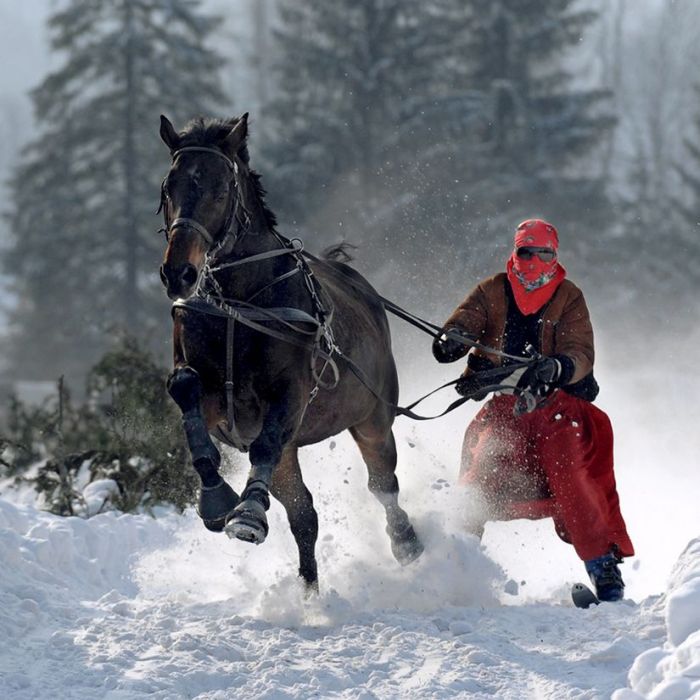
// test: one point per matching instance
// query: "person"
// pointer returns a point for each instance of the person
(556, 460)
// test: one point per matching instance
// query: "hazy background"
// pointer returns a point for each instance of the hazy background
(427, 236)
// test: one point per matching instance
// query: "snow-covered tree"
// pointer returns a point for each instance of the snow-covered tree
(84, 254)
(426, 127)
(660, 178)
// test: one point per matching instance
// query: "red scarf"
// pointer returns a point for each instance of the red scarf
(533, 281)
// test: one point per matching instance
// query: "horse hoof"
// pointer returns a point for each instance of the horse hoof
(407, 548)
(216, 504)
(248, 522)
(311, 591)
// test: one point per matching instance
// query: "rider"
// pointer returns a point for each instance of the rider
(557, 460)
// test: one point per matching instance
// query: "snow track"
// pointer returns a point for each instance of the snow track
(125, 607)
(116, 607)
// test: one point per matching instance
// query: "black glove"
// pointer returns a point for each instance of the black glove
(544, 374)
(447, 347)
(468, 385)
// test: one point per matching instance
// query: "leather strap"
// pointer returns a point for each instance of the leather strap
(230, 416)
(195, 226)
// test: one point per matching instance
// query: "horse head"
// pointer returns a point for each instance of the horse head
(200, 196)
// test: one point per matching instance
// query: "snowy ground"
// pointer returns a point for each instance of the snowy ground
(127, 606)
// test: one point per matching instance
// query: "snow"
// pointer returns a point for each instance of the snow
(672, 671)
(131, 606)
(127, 606)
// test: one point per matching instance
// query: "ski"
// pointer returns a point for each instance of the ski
(583, 596)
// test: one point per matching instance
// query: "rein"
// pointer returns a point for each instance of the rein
(320, 339)
(527, 401)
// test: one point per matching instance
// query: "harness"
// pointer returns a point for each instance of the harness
(299, 328)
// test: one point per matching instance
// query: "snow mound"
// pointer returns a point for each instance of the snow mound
(129, 606)
(672, 671)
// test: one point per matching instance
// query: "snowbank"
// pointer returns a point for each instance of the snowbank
(131, 607)
(672, 671)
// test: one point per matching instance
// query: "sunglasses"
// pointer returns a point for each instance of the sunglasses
(544, 254)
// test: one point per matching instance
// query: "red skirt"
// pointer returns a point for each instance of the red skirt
(554, 462)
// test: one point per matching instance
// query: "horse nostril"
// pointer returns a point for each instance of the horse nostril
(189, 274)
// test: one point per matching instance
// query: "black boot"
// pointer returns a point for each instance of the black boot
(606, 577)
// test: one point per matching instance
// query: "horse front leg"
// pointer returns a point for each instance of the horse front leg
(217, 499)
(249, 520)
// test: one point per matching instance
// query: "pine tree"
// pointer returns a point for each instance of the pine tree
(432, 127)
(682, 242)
(534, 151)
(356, 83)
(84, 253)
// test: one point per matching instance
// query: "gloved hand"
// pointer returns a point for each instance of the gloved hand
(469, 385)
(447, 347)
(543, 374)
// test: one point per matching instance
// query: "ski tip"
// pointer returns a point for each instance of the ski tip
(583, 597)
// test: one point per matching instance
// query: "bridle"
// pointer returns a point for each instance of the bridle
(236, 210)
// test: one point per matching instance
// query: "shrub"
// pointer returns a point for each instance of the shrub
(123, 447)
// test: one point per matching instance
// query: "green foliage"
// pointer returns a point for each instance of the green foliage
(127, 430)
(84, 254)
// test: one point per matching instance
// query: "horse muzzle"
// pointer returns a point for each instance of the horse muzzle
(180, 281)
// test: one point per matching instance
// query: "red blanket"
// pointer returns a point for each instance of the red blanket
(554, 462)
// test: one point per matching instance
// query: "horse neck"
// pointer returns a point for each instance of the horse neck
(260, 237)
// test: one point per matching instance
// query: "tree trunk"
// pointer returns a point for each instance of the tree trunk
(130, 300)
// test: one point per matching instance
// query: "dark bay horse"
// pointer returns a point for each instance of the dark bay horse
(262, 340)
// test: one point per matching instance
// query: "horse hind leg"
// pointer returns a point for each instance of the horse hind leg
(217, 499)
(378, 450)
(288, 488)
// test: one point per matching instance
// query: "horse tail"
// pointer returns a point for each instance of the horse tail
(339, 252)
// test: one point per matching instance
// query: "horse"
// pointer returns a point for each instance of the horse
(268, 346)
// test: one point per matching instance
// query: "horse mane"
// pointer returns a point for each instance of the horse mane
(211, 132)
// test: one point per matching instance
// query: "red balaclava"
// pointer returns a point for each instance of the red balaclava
(534, 281)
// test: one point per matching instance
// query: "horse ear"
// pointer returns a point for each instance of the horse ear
(237, 135)
(168, 133)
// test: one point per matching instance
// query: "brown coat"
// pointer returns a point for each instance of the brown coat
(566, 327)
